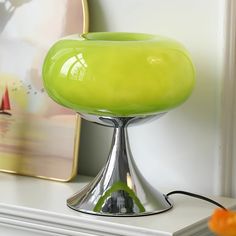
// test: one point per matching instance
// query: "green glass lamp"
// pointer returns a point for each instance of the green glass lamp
(119, 79)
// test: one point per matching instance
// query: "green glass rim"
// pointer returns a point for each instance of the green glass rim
(117, 36)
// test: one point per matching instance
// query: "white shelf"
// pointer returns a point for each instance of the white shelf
(34, 205)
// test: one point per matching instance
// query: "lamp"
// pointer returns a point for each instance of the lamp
(119, 79)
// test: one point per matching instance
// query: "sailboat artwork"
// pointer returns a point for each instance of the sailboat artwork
(5, 104)
(32, 126)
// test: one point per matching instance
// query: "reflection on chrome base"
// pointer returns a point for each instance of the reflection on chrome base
(119, 189)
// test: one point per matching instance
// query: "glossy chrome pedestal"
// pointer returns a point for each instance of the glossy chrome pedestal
(119, 189)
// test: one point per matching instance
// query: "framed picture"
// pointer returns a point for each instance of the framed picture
(37, 136)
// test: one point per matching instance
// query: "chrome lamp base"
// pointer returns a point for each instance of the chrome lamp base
(119, 189)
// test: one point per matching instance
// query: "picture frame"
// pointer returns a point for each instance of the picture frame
(37, 137)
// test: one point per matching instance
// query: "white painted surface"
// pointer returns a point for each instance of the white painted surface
(185, 149)
(95, 142)
(36, 206)
(21, 231)
(227, 167)
(230, 102)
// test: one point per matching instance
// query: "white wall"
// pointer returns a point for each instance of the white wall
(182, 150)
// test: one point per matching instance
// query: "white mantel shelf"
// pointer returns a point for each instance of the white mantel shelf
(30, 206)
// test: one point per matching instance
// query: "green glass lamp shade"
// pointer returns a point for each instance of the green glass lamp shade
(118, 74)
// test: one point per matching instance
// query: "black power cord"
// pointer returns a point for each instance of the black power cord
(196, 196)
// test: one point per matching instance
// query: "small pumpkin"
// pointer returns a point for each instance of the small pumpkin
(223, 222)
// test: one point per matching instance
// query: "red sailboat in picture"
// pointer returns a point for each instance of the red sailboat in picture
(5, 104)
